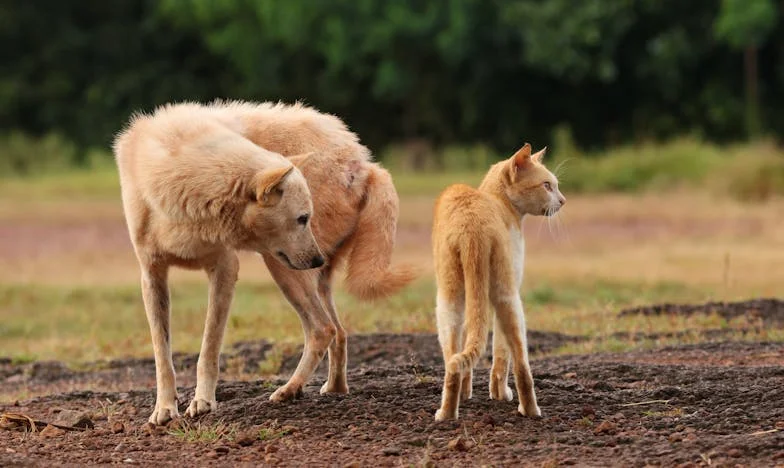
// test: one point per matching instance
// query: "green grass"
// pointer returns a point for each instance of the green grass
(57, 322)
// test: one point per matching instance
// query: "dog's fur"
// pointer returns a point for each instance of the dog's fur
(478, 251)
(355, 209)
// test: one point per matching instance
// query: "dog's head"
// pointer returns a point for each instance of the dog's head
(278, 216)
(530, 186)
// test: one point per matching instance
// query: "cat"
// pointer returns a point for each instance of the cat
(478, 251)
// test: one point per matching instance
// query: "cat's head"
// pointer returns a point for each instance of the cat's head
(532, 188)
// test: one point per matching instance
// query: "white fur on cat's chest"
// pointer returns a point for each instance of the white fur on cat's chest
(517, 251)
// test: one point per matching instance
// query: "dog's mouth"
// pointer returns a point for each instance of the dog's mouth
(285, 259)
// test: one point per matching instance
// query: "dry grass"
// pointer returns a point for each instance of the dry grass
(70, 280)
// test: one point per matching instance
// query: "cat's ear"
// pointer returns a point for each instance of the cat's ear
(537, 157)
(519, 159)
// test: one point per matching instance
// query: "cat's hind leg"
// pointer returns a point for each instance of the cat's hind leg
(449, 317)
(499, 374)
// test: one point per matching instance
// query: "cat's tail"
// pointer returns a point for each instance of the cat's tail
(475, 259)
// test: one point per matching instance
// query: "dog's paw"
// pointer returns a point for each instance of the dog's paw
(341, 387)
(286, 393)
(200, 406)
(164, 414)
(532, 411)
(442, 415)
(504, 395)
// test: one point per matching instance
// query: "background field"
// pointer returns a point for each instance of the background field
(69, 280)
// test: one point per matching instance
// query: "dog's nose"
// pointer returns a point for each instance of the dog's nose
(316, 261)
(562, 200)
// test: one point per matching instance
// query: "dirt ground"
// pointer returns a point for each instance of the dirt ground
(719, 403)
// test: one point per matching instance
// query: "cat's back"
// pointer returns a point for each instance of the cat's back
(462, 211)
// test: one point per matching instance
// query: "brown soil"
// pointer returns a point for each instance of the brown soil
(716, 403)
(770, 312)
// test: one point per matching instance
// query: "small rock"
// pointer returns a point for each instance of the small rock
(734, 453)
(247, 438)
(271, 459)
(73, 418)
(568, 461)
(488, 420)
(222, 450)
(119, 447)
(618, 417)
(603, 386)
(606, 427)
(212, 454)
(174, 425)
(9, 450)
(570, 375)
(51, 431)
(271, 448)
(392, 430)
(675, 437)
(588, 411)
(460, 444)
(780, 425)
(353, 464)
(118, 427)
(391, 451)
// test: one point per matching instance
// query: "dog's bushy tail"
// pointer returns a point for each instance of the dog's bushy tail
(369, 272)
(475, 260)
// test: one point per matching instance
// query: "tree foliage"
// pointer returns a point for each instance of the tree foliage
(462, 71)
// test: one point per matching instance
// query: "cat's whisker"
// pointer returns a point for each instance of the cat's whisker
(558, 167)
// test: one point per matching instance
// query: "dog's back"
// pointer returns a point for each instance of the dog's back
(169, 160)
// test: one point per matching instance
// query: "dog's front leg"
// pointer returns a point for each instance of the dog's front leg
(155, 292)
(223, 278)
(301, 290)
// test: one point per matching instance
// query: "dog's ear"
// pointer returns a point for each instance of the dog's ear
(268, 191)
(518, 160)
(300, 160)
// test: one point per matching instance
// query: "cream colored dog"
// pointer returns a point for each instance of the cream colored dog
(355, 211)
(193, 192)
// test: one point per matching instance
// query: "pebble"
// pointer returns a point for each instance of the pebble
(391, 451)
(51, 431)
(606, 427)
(460, 444)
(118, 427)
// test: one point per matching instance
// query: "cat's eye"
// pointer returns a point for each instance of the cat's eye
(303, 220)
(547, 186)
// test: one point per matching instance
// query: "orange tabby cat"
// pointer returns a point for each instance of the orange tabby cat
(479, 251)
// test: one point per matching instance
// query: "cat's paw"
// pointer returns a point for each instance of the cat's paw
(442, 415)
(531, 410)
(502, 393)
(340, 387)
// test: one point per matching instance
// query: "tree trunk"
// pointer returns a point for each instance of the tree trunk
(753, 127)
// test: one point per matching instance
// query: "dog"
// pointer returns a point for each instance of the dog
(193, 193)
(355, 216)
(353, 220)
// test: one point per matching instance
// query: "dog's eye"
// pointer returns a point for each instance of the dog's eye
(303, 220)
(547, 186)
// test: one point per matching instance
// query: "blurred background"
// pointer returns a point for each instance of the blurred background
(664, 119)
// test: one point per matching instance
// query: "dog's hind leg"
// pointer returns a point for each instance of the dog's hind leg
(223, 277)
(301, 290)
(336, 381)
(155, 292)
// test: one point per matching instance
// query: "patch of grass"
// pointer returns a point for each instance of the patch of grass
(273, 431)
(189, 431)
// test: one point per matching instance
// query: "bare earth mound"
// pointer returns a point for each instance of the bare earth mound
(716, 403)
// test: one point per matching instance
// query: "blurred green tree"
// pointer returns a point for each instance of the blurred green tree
(745, 25)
